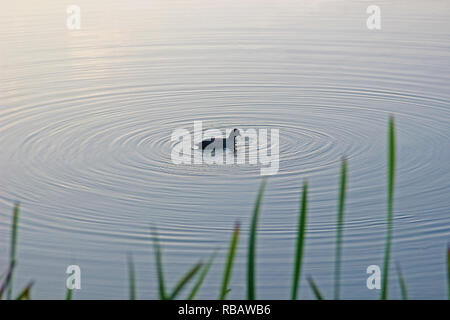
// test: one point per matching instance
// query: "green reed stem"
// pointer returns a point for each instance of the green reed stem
(315, 289)
(402, 283)
(131, 277)
(13, 248)
(185, 279)
(69, 293)
(390, 200)
(201, 278)
(340, 223)
(159, 266)
(229, 262)
(448, 271)
(300, 241)
(251, 295)
(26, 293)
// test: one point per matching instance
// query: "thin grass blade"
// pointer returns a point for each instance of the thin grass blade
(340, 223)
(201, 278)
(185, 279)
(390, 200)
(251, 295)
(7, 279)
(69, 294)
(315, 289)
(13, 248)
(26, 293)
(159, 266)
(229, 262)
(402, 283)
(300, 241)
(448, 270)
(131, 277)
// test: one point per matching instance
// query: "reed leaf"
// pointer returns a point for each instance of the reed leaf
(184, 280)
(390, 200)
(131, 277)
(13, 248)
(315, 289)
(402, 283)
(201, 278)
(69, 294)
(5, 283)
(251, 272)
(340, 223)
(448, 270)
(26, 293)
(229, 262)
(159, 266)
(300, 241)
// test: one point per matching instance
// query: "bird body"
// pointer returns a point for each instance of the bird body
(220, 143)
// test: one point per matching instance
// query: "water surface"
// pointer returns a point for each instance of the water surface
(86, 118)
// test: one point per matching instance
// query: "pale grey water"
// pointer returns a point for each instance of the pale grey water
(86, 118)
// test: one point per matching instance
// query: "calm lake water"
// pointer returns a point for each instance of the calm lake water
(86, 118)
